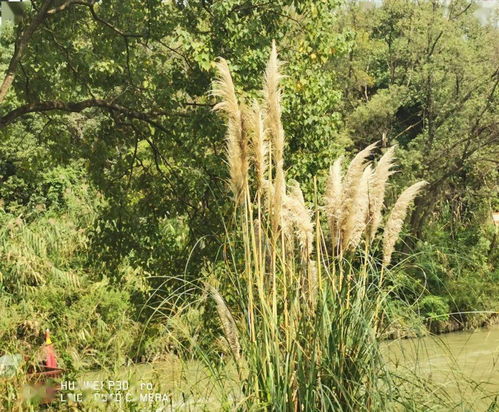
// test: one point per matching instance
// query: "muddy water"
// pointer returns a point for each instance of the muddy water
(463, 364)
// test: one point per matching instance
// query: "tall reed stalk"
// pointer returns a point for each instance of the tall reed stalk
(309, 298)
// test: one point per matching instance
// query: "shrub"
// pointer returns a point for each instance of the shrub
(434, 308)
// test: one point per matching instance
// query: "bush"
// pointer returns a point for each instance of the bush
(46, 280)
(434, 308)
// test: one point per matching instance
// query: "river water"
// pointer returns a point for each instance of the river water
(463, 365)
(462, 368)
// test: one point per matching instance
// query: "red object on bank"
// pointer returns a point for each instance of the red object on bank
(50, 357)
(44, 377)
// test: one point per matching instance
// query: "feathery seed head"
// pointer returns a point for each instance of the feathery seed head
(396, 219)
(272, 96)
(300, 218)
(237, 142)
(259, 145)
(377, 187)
(355, 223)
(333, 199)
(351, 185)
(227, 321)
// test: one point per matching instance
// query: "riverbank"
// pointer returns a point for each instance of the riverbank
(418, 328)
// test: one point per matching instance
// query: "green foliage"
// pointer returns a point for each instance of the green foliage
(430, 84)
(155, 171)
(402, 320)
(434, 308)
(45, 283)
(463, 272)
(106, 211)
(376, 116)
(354, 73)
(425, 75)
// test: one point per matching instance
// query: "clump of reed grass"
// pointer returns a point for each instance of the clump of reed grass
(308, 309)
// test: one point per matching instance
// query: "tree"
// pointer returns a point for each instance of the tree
(426, 75)
(127, 88)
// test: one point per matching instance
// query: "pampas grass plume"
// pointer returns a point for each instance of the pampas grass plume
(227, 321)
(333, 200)
(273, 125)
(350, 188)
(301, 218)
(272, 96)
(356, 221)
(259, 145)
(237, 145)
(377, 187)
(396, 219)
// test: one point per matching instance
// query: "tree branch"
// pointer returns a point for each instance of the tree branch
(68, 3)
(20, 46)
(23, 40)
(39, 107)
(110, 26)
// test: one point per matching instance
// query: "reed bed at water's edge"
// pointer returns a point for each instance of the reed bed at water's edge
(307, 287)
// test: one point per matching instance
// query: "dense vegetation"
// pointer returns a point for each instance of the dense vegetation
(114, 186)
